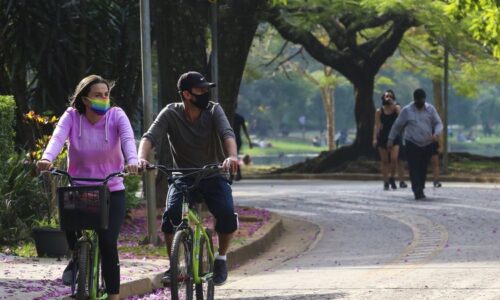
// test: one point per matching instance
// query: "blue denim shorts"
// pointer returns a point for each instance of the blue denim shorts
(217, 194)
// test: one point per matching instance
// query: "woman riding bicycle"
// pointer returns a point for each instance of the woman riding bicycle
(99, 136)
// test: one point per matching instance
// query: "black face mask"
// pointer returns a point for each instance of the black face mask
(386, 102)
(202, 100)
(419, 104)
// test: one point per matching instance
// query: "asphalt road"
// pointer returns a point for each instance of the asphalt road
(377, 244)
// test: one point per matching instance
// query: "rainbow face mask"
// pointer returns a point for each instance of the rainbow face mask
(99, 105)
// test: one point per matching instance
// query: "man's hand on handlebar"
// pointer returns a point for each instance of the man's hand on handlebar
(230, 164)
(143, 164)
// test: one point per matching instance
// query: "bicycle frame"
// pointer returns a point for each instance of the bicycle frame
(192, 221)
(90, 236)
(199, 231)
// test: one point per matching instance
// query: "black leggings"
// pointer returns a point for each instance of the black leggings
(108, 240)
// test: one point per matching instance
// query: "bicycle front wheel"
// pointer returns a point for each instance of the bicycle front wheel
(83, 270)
(181, 285)
(205, 289)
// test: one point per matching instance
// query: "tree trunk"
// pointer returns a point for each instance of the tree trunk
(364, 112)
(238, 21)
(328, 103)
(437, 92)
(181, 43)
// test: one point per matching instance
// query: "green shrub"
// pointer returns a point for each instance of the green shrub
(7, 121)
(132, 186)
(22, 203)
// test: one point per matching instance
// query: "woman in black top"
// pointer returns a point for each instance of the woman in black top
(384, 119)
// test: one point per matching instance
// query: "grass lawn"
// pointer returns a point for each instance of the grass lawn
(283, 146)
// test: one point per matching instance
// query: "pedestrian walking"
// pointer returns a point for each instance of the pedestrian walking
(239, 123)
(384, 119)
(422, 126)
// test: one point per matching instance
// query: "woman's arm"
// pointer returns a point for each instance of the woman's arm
(127, 139)
(376, 127)
(59, 137)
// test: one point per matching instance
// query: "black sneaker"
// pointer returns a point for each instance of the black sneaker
(220, 272)
(419, 195)
(392, 182)
(69, 273)
(402, 185)
(166, 279)
(386, 185)
(437, 184)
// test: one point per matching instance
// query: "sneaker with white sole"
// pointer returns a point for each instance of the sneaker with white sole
(220, 272)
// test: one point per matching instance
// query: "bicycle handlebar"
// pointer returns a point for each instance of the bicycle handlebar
(167, 171)
(59, 172)
(198, 172)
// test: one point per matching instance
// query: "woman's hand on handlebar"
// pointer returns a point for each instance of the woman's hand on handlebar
(43, 165)
(132, 169)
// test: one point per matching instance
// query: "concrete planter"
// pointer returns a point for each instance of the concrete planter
(50, 242)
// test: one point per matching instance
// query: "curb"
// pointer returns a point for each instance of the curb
(365, 176)
(239, 255)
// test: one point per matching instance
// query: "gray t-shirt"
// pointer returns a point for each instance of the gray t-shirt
(193, 145)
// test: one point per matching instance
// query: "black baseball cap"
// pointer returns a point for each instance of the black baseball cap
(192, 79)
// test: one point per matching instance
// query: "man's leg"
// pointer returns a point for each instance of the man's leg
(413, 160)
(426, 157)
(224, 242)
(218, 195)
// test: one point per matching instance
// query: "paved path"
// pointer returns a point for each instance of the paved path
(378, 245)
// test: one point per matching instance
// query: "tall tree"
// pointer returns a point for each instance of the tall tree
(362, 39)
(63, 42)
(182, 37)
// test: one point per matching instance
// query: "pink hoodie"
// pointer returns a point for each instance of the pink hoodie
(94, 150)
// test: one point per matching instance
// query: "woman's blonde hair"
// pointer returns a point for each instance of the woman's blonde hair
(83, 89)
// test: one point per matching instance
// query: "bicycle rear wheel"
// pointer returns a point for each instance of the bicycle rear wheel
(83, 270)
(181, 285)
(205, 289)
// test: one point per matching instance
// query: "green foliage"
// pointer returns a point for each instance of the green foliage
(132, 186)
(481, 17)
(7, 117)
(21, 202)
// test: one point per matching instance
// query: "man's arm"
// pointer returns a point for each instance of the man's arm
(145, 148)
(231, 162)
(398, 125)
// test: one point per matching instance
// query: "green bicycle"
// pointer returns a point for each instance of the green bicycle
(85, 208)
(192, 254)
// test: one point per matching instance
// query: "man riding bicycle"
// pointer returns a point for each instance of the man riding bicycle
(199, 133)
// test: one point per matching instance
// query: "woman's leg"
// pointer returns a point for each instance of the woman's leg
(394, 160)
(384, 164)
(108, 240)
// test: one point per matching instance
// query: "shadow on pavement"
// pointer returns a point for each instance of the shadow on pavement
(296, 297)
